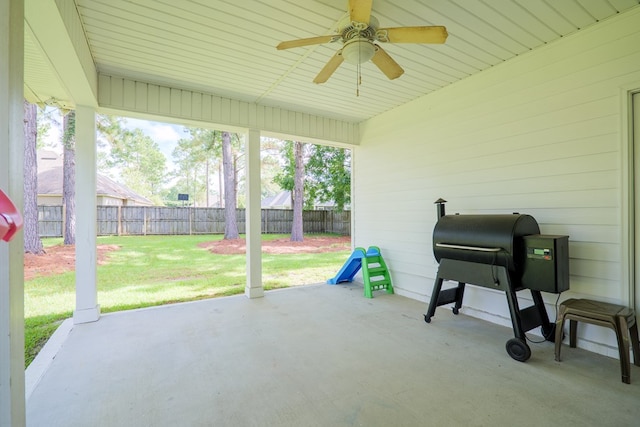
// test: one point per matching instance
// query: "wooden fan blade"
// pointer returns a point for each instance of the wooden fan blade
(435, 34)
(329, 68)
(305, 42)
(387, 65)
(360, 10)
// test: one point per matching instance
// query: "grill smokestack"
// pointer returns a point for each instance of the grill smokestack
(440, 207)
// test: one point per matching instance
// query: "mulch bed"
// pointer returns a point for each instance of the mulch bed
(310, 245)
(58, 259)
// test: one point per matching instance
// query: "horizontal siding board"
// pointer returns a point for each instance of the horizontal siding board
(594, 251)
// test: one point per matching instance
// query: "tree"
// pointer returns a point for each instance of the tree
(131, 157)
(141, 165)
(44, 120)
(200, 153)
(285, 177)
(291, 178)
(270, 165)
(32, 241)
(230, 223)
(110, 130)
(69, 177)
(298, 190)
(328, 173)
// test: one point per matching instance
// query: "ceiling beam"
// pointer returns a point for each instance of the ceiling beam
(57, 29)
(119, 95)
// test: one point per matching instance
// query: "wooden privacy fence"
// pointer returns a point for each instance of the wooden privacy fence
(143, 220)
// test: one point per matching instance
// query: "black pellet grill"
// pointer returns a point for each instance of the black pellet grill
(504, 252)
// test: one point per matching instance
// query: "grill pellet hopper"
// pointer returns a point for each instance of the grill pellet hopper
(503, 252)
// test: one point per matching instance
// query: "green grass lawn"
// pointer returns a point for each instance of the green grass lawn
(156, 270)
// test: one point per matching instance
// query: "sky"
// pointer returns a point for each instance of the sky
(164, 134)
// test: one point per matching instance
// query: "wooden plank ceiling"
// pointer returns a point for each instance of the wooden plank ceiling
(227, 47)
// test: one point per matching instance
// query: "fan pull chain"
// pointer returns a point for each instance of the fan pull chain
(358, 80)
(359, 74)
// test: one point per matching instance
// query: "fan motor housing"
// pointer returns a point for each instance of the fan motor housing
(350, 31)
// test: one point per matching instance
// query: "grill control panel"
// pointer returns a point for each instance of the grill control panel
(540, 253)
(546, 266)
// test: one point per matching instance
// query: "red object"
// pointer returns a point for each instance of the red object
(10, 218)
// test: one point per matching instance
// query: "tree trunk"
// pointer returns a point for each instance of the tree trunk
(230, 223)
(32, 242)
(220, 190)
(298, 185)
(206, 172)
(69, 177)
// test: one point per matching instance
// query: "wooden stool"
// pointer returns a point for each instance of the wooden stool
(616, 317)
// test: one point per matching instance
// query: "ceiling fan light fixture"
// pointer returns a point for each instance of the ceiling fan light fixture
(361, 38)
(358, 51)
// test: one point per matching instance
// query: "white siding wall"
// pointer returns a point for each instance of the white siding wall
(541, 134)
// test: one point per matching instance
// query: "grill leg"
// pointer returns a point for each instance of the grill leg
(441, 297)
(548, 328)
(433, 303)
(516, 347)
(459, 296)
(514, 310)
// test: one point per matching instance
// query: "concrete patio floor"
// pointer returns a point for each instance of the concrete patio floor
(318, 355)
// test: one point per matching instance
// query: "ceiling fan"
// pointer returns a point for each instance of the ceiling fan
(359, 32)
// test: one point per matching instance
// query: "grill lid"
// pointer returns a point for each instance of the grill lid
(486, 239)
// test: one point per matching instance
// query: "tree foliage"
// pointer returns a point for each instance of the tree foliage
(197, 157)
(110, 129)
(135, 156)
(270, 165)
(327, 174)
(285, 177)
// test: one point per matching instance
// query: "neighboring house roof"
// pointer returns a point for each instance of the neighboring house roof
(48, 159)
(51, 176)
(281, 200)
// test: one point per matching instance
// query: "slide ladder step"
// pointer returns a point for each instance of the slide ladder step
(376, 271)
(374, 267)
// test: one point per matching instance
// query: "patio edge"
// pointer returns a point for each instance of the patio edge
(36, 370)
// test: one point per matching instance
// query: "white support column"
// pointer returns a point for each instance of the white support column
(87, 308)
(253, 288)
(12, 399)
